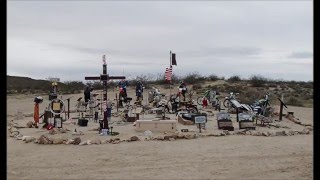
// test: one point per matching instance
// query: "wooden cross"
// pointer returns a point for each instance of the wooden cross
(104, 77)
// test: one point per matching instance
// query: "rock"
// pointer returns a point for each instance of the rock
(134, 138)
(14, 134)
(222, 134)
(172, 139)
(29, 139)
(115, 142)
(189, 136)
(96, 141)
(280, 133)
(69, 141)
(83, 143)
(44, 140)
(226, 132)
(241, 132)
(167, 137)
(57, 141)
(248, 133)
(265, 134)
(13, 129)
(286, 133)
(52, 131)
(272, 134)
(291, 133)
(306, 131)
(19, 137)
(24, 137)
(76, 141)
(310, 128)
(180, 136)
(89, 142)
(160, 138)
(29, 124)
(61, 130)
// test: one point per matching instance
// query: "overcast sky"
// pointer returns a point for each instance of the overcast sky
(67, 39)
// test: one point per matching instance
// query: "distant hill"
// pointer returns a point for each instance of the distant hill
(22, 83)
(16, 84)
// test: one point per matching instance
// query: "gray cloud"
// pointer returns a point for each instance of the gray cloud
(301, 55)
(226, 38)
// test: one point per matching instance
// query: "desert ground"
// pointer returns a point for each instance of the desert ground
(281, 151)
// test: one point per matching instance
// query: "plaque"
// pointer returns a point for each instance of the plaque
(245, 124)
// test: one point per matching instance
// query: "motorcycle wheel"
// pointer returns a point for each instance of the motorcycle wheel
(226, 103)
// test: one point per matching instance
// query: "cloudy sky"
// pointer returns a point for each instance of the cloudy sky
(67, 39)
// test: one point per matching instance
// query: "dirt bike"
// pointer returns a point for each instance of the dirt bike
(260, 106)
(176, 104)
(227, 102)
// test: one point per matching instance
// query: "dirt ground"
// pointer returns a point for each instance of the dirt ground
(208, 156)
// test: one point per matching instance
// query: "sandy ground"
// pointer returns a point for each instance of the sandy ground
(210, 157)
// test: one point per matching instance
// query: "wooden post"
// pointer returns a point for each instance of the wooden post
(68, 107)
(117, 102)
(237, 114)
(281, 109)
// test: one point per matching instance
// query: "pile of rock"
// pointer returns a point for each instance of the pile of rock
(296, 120)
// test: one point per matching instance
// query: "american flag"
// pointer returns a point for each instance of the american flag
(168, 73)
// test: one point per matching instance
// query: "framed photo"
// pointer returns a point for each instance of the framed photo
(56, 106)
(58, 122)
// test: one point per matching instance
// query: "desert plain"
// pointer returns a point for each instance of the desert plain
(283, 150)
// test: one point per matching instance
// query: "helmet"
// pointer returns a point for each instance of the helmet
(38, 99)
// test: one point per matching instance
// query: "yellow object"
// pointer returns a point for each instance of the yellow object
(56, 106)
(54, 84)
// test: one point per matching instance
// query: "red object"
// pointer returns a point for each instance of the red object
(36, 113)
(205, 102)
(49, 127)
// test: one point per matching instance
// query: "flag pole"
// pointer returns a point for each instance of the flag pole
(171, 76)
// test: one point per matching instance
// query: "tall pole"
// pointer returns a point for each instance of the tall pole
(105, 117)
(171, 71)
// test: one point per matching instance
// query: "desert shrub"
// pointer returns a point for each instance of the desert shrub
(196, 87)
(307, 97)
(293, 101)
(234, 89)
(271, 85)
(283, 86)
(250, 96)
(167, 86)
(257, 81)
(308, 85)
(213, 77)
(234, 78)
(193, 78)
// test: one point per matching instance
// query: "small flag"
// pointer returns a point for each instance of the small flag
(173, 59)
(168, 74)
